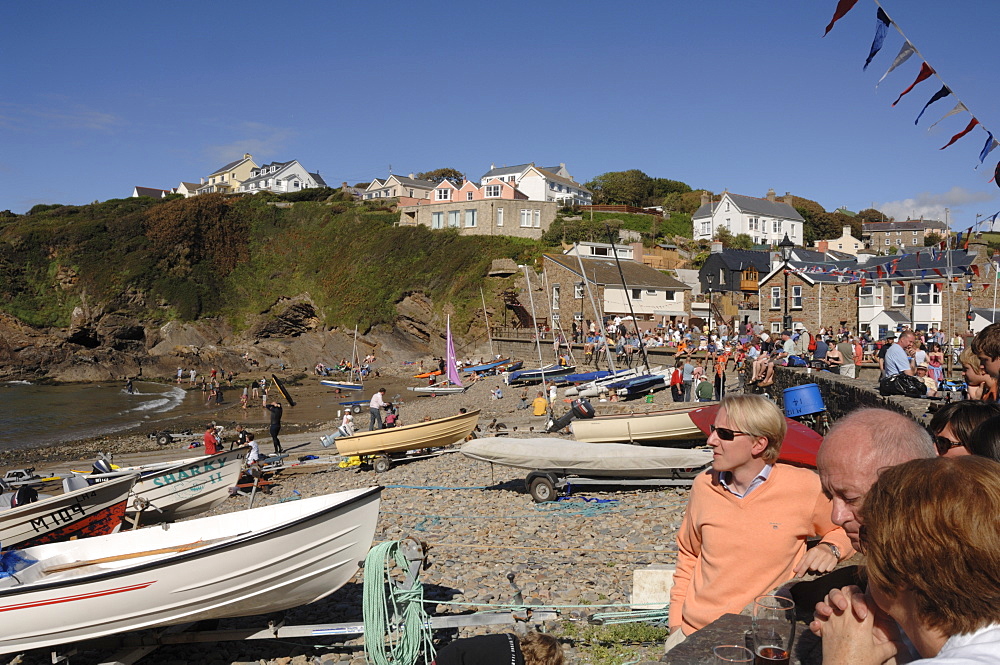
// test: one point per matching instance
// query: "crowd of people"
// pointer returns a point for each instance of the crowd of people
(920, 503)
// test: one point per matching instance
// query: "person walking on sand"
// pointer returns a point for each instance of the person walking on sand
(375, 407)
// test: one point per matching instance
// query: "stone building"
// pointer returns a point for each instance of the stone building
(654, 296)
(882, 236)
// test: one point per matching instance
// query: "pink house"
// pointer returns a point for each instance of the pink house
(448, 192)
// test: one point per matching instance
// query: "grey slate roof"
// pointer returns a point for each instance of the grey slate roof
(908, 225)
(604, 272)
(750, 204)
(319, 179)
(151, 191)
(740, 259)
(427, 184)
(514, 170)
(896, 316)
(226, 167)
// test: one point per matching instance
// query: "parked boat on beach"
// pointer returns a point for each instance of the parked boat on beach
(485, 367)
(439, 389)
(536, 375)
(187, 488)
(431, 434)
(239, 564)
(672, 425)
(88, 511)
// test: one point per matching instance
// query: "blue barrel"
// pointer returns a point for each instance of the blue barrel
(803, 400)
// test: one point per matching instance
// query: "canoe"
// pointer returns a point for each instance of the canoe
(187, 488)
(652, 426)
(532, 375)
(240, 564)
(88, 511)
(342, 385)
(607, 460)
(426, 375)
(431, 434)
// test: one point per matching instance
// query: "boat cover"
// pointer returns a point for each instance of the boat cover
(589, 459)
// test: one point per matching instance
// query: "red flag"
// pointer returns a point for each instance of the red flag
(975, 269)
(985, 286)
(968, 237)
(968, 128)
(938, 271)
(925, 72)
(843, 7)
(863, 280)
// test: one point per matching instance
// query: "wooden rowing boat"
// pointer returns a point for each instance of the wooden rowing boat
(652, 426)
(431, 434)
(239, 564)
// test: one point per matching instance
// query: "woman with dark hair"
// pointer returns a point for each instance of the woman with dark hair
(953, 425)
(932, 547)
(985, 439)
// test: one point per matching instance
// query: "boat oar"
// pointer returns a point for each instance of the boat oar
(135, 555)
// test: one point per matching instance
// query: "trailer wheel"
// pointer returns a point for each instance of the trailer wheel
(381, 464)
(542, 489)
(163, 438)
(356, 408)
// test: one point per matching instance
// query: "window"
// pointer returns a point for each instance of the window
(706, 228)
(492, 191)
(510, 178)
(775, 327)
(468, 196)
(670, 295)
(578, 316)
(776, 226)
(555, 317)
(454, 219)
(599, 251)
(555, 296)
(437, 220)
(525, 218)
(866, 296)
(636, 294)
(926, 294)
(650, 292)
(775, 297)
(797, 297)
(411, 193)
(578, 291)
(538, 219)
(887, 241)
(898, 296)
(443, 195)
(499, 216)
(753, 224)
(470, 219)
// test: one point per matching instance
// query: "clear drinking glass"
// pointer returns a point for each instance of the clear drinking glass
(728, 654)
(773, 629)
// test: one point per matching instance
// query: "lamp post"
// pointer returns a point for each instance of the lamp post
(785, 247)
(711, 283)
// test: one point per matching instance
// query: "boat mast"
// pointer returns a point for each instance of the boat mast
(597, 312)
(538, 342)
(356, 366)
(545, 282)
(486, 317)
(635, 322)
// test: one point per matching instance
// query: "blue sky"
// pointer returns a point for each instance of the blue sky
(100, 97)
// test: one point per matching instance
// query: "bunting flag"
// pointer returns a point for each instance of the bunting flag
(904, 54)
(985, 286)
(957, 109)
(968, 128)
(993, 218)
(975, 269)
(863, 280)
(940, 94)
(954, 287)
(881, 26)
(923, 273)
(991, 143)
(925, 73)
(968, 237)
(843, 7)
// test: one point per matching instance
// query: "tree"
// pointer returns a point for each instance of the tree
(870, 216)
(932, 239)
(630, 187)
(726, 237)
(437, 175)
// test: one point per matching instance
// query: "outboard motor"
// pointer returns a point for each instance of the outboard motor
(102, 466)
(23, 496)
(579, 408)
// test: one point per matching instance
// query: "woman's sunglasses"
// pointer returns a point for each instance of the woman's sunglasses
(725, 433)
(944, 445)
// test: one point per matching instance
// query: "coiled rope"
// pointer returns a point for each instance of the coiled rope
(383, 601)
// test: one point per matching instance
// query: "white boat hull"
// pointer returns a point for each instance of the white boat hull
(653, 426)
(256, 561)
(607, 460)
(439, 390)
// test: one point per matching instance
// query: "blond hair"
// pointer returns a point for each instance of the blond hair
(541, 649)
(757, 416)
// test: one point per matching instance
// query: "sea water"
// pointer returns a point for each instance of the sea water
(33, 415)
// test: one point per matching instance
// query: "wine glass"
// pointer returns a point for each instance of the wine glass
(773, 629)
(730, 654)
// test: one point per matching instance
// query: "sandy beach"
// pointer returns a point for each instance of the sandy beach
(478, 520)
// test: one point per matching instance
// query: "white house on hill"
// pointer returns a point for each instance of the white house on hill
(765, 220)
(281, 177)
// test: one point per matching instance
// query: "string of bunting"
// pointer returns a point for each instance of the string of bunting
(908, 49)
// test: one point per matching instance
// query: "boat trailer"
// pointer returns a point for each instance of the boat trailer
(131, 647)
(550, 485)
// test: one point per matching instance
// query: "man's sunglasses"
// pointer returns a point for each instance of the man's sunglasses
(944, 445)
(725, 433)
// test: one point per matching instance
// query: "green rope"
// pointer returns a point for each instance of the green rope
(383, 600)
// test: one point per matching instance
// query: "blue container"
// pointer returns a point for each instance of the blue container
(803, 400)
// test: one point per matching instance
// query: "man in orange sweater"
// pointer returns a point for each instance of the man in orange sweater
(747, 520)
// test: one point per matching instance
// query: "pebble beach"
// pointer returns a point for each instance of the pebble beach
(577, 555)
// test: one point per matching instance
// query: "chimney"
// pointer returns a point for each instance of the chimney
(411, 176)
(789, 199)
(246, 155)
(343, 185)
(822, 246)
(704, 197)
(770, 195)
(716, 248)
(203, 181)
(846, 232)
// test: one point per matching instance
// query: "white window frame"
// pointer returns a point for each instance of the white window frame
(578, 291)
(898, 295)
(471, 218)
(454, 219)
(775, 297)
(468, 196)
(442, 195)
(926, 294)
(796, 295)
(499, 216)
(493, 191)
(555, 296)
(538, 218)
(525, 218)
(437, 220)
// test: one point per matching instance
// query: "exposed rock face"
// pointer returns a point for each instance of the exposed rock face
(102, 345)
